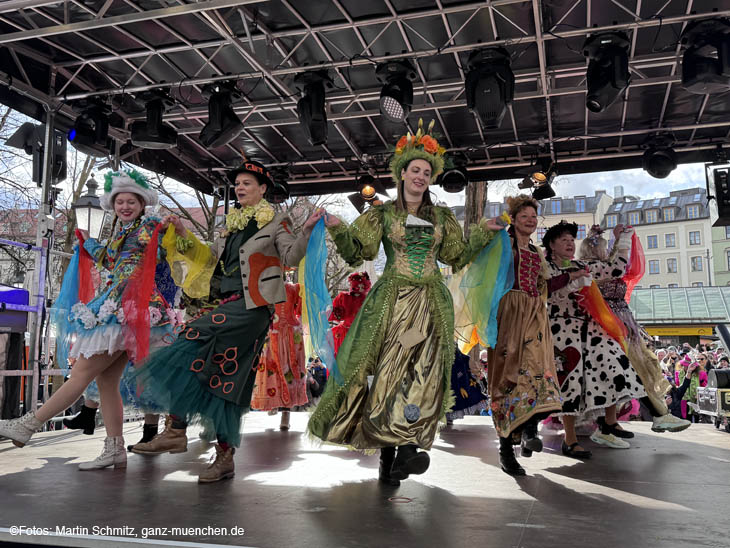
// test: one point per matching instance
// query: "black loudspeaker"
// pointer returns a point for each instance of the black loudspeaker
(718, 378)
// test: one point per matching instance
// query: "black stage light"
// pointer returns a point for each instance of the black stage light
(535, 178)
(90, 132)
(454, 180)
(278, 192)
(152, 133)
(706, 61)
(31, 138)
(543, 191)
(311, 107)
(358, 201)
(490, 85)
(608, 69)
(659, 160)
(396, 97)
(223, 125)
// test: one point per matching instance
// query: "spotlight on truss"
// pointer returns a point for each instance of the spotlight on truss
(490, 85)
(311, 107)
(396, 97)
(608, 69)
(223, 125)
(153, 133)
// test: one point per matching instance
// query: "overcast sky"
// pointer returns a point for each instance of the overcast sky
(636, 182)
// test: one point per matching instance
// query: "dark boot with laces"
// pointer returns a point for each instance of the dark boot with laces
(507, 458)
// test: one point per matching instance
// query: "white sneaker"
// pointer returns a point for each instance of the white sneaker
(114, 454)
(609, 440)
(669, 423)
(20, 430)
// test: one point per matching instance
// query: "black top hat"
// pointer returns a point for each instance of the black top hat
(556, 231)
(255, 168)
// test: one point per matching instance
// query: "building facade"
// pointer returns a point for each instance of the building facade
(676, 234)
(585, 211)
(721, 254)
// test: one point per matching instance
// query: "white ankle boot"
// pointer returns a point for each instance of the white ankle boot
(114, 454)
(20, 430)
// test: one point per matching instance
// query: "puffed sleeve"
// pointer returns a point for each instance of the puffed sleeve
(455, 251)
(614, 268)
(290, 245)
(95, 249)
(359, 241)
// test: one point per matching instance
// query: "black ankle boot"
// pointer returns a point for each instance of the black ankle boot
(409, 460)
(85, 420)
(149, 431)
(529, 441)
(387, 456)
(507, 458)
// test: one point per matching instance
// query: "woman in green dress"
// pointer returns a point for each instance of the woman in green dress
(394, 366)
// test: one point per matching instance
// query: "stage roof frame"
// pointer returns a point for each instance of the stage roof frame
(57, 54)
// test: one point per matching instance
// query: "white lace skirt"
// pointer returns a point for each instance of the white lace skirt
(108, 339)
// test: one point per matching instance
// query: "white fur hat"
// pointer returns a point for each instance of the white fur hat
(126, 181)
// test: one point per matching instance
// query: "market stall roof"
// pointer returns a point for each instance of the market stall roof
(62, 52)
(686, 305)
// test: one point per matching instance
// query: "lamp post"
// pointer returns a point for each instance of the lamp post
(89, 214)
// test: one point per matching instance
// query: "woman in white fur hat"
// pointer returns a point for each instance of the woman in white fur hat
(126, 317)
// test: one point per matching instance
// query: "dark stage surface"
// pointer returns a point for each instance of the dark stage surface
(666, 490)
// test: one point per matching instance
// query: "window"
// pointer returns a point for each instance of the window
(617, 207)
(727, 232)
(634, 217)
(654, 267)
(673, 200)
(696, 264)
(656, 202)
(672, 266)
(696, 284)
(694, 237)
(651, 242)
(581, 232)
(611, 221)
(493, 210)
(672, 285)
(556, 207)
(727, 253)
(696, 198)
(639, 204)
(580, 205)
(668, 213)
(654, 286)
(693, 211)
(540, 233)
(652, 216)
(670, 240)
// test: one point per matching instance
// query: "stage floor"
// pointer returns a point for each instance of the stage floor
(666, 490)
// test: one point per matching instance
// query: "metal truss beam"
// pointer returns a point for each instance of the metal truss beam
(125, 19)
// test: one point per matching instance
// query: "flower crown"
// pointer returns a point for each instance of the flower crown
(421, 146)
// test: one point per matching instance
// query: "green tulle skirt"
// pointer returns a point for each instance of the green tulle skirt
(207, 374)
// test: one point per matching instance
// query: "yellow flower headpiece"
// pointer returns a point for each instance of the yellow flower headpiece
(421, 146)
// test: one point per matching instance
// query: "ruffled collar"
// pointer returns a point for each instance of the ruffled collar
(238, 219)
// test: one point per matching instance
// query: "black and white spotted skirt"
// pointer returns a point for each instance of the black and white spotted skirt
(593, 371)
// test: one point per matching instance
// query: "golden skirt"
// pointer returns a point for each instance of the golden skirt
(521, 368)
(398, 400)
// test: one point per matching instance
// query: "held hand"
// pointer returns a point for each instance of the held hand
(313, 218)
(84, 233)
(579, 274)
(177, 223)
(494, 224)
(331, 220)
(617, 230)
